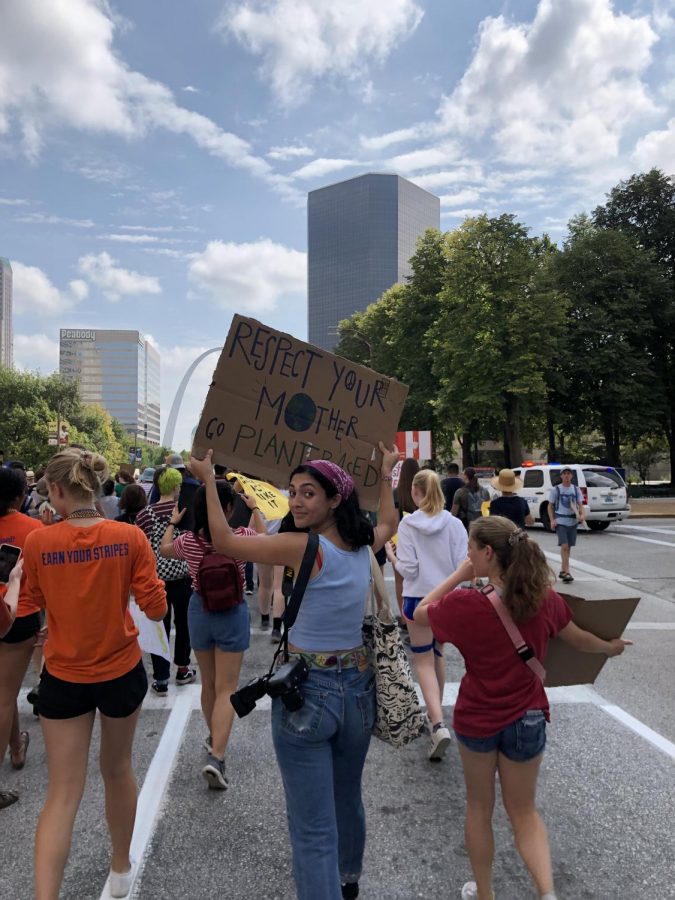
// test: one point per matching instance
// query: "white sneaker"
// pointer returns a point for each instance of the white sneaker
(120, 882)
(470, 891)
(440, 741)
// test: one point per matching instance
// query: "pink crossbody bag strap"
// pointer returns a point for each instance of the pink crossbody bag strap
(523, 649)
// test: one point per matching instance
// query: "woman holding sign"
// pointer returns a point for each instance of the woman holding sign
(321, 748)
(502, 709)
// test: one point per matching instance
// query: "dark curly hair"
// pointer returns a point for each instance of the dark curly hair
(352, 523)
(12, 487)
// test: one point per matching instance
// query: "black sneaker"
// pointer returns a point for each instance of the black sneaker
(350, 890)
(214, 772)
(160, 687)
(186, 677)
(275, 637)
(264, 622)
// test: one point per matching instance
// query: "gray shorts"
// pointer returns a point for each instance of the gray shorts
(567, 534)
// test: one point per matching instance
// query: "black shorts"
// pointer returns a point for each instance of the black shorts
(117, 698)
(23, 627)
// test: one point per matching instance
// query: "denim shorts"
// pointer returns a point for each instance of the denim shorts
(410, 604)
(229, 631)
(567, 534)
(521, 740)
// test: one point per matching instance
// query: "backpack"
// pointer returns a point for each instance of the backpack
(218, 582)
(167, 569)
(474, 503)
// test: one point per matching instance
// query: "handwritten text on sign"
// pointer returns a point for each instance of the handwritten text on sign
(276, 402)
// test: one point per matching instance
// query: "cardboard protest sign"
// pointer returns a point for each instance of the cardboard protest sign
(276, 402)
(128, 468)
(271, 502)
(606, 619)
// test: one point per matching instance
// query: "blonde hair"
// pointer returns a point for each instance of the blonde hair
(79, 471)
(526, 574)
(429, 483)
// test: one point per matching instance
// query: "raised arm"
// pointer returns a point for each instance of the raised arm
(463, 573)
(274, 549)
(387, 516)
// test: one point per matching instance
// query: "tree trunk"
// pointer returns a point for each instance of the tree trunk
(467, 458)
(512, 432)
(550, 452)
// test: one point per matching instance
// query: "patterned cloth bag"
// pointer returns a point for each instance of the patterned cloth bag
(399, 718)
(167, 569)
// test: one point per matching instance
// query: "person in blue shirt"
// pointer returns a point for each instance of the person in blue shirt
(566, 512)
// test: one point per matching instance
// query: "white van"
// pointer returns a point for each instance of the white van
(603, 489)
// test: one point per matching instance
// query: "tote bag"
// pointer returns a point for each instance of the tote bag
(399, 718)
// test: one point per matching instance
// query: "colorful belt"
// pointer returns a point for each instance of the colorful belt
(352, 659)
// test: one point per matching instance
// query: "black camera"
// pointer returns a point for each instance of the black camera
(284, 683)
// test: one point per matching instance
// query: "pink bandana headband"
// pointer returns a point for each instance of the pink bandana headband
(342, 481)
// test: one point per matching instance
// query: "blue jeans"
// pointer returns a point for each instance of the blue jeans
(321, 750)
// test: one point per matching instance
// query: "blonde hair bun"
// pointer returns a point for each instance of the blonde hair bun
(81, 472)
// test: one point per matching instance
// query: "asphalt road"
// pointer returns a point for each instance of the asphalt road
(607, 787)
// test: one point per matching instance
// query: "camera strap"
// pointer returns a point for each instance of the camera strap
(293, 602)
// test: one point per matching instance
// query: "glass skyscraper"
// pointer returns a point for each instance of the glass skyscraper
(118, 370)
(361, 234)
(6, 332)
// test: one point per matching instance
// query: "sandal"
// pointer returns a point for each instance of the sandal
(19, 759)
(561, 574)
(7, 798)
(567, 578)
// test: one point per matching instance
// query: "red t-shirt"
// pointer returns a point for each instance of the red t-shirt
(497, 688)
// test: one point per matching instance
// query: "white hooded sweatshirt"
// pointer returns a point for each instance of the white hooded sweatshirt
(429, 549)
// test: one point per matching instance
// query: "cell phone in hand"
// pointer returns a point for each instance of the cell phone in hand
(9, 556)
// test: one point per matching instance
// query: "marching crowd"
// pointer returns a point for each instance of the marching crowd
(182, 551)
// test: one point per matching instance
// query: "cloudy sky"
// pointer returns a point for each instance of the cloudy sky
(155, 157)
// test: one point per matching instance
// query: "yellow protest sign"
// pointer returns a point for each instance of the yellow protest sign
(270, 500)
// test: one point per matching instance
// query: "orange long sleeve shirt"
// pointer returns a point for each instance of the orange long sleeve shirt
(83, 578)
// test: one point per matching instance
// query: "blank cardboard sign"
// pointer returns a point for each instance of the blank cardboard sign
(605, 618)
(276, 402)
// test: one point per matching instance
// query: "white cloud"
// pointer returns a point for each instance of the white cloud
(320, 167)
(13, 201)
(35, 295)
(657, 149)
(36, 352)
(564, 87)
(249, 278)
(44, 219)
(300, 41)
(290, 152)
(139, 239)
(461, 198)
(190, 89)
(382, 141)
(146, 228)
(102, 270)
(426, 158)
(462, 213)
(58, 68)
(468, 172)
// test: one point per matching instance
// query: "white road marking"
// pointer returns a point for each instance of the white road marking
(652, 626)
(644, 540)
(589, 569)
(157, 779)
(653, 528)
(644, 731)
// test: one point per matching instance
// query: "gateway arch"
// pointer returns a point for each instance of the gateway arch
(167, 440)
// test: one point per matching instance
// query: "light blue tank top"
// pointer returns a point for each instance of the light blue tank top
(331, 612)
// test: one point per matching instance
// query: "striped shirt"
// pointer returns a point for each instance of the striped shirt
(193, 549)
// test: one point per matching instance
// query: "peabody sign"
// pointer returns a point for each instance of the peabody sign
(77, 334)
(276, 402)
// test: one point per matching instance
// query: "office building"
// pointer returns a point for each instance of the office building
(361, 234)
(118, 370)
(6, 331)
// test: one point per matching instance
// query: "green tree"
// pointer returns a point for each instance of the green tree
(609, 383)
(499, 322)
(644, 207)
(92, 426)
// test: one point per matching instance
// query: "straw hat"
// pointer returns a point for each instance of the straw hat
(507, 481)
